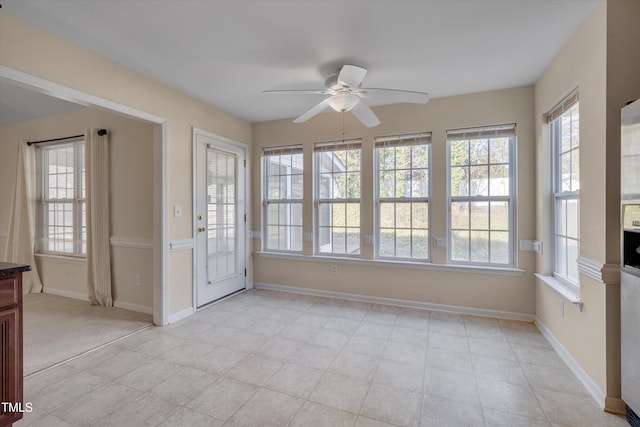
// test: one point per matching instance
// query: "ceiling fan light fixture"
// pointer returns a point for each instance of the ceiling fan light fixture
(343, 102)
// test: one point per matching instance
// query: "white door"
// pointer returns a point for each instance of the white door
(220, 220)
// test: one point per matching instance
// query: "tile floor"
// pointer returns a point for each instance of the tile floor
(266, 358)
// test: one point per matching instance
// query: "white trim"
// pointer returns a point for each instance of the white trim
(62, 258)
(75, 96)
(180, 245)
(570, 293)
(497, 314)
(173, 318)
(66, 294)
(133, 307)
(160, 218)
(585, 379)
(131, 242)
(83, 297)
(246, 170)
(590, 268)
(398, 264)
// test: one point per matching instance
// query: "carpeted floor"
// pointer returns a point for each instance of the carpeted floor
(58, 328)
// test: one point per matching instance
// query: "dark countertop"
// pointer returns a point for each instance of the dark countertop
(7, 268)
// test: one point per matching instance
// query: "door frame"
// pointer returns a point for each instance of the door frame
(247, 207)
(160, 217)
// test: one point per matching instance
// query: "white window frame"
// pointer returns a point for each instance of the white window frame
(78, 201)
(484, 132)
(421, 139)
(320, 151)
(287, 202)
(566, 107)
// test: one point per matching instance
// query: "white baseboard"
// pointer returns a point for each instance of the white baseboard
(400, 302)
(133, 307)
(592, 388)
(173, 318)
(83, 297)
(66, 294)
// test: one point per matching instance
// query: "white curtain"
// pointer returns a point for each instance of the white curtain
(21, 238)
(97, 193)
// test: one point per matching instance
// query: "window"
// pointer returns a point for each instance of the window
(481, 195)
(337, 197)
(565, 139)
(402, 196)
(62, 202)
(283, 181)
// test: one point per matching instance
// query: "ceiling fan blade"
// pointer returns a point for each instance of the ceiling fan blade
(365, 114)
(316, 109)
(351, 76)
(393, 96)
(295, 92)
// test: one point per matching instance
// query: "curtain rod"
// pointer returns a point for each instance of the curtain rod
(101, 132)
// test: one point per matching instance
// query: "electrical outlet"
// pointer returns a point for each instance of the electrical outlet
(334, 269)
(438, 242)
(368, 239)
(138, 282)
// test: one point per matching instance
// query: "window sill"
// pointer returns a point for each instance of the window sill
(63, 258)
(499, 271)
(569, 293)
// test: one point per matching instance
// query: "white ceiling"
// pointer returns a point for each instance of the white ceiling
(225, 52)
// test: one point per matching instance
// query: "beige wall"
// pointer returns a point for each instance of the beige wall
(601, 61)
(481, 291)
(130, 144)
(27, 49)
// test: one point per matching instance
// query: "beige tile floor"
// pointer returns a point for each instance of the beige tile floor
(266, 358)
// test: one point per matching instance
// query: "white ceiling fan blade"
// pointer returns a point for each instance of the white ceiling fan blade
(351, 76)
(316, 109)
(365, 114)
(295, 92)
(393, 96)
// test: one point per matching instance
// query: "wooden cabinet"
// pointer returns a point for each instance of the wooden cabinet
(11, 346)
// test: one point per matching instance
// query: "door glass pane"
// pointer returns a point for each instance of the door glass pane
(222, 215)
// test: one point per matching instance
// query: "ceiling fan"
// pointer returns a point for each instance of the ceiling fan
(346, 94)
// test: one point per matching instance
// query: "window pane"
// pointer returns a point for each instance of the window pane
(479, 246)
(459, 181)
(338, 223)
(480, 199)
(572, 260)
(479, 152)
(420, 156)
(499, 247)
(387, 184)
(459, 153)
(420, 244)
(387, 215)
(575, 170)
(420, 183)
(420, 215)
(561, 217)
(572, 218)
(403, 215)
(565, 171)
(283, 216)
(405, 176)
(561, 256)
(480, 215)
(460, 245)
(499, 180)
(479, 185)
(499, 215)
(460, 215)
(387, 243)
(403, 183)
(499, 150)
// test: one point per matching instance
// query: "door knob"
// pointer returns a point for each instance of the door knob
(201, 229)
